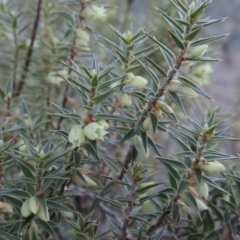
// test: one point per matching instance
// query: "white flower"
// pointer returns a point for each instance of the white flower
(138, 82)
(94, 131)
(94, 12)
(83, 35)
(103, 123)
(55, 79)
(76, 135)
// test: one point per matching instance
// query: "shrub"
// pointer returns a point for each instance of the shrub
(101, 142)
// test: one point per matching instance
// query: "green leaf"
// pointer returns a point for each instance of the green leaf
(206, 40)
(215, 209)
(177, 101)
(162, 46)
(198, 174)
(46, 226)
(158, 236)
(160, 70)
(173, 163)
(212, 183)
(190, 36)
(136, 218)
(119, 34)
(140, 234)
(111, 202)
(182, 186)
(106, 116)
(99, 98)
(43, 204)
(140, 189)
(132, 132)
(182, 145)
(172, 21)
(175, 210)
(193, 86)
(111, 43)
(92, 151)
(168, 58)
(153, 146)
(192, 202)
(154, 121)
(152, 75)
(178, 41)
(144, 139)
(208, 223)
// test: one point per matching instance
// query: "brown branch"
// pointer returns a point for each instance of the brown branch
(127, 160)
(29, 52)
(15, 66)
(65, 94)
(166, 212)
(127, 212)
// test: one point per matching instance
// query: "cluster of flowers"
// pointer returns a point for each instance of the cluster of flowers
(200, 192)
(32, 206)
(93, 131)
(131, 80)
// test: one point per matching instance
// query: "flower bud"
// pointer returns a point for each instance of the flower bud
(5, 207)
(22, 146)
(203, 190)
(211, 167)
(196, 52)
(94, 12)
(201, 205)
(137, 170)
(83, 35)
(125, 100)
(139, 146)
(163, 106)
(25, 209)
(8, 208)
(55, 79)
(76, 135)
(42, 154)
(94, 131)
(33, 205)
(184, 207)
(128, 35)
(138, 82)
(103, 123)
(147, 124)
(87, 183)
(40, 214)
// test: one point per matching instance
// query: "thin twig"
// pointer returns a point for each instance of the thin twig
(127, 213)
(30, 51)
(65, 95)
(15, 66)
(127, 160)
